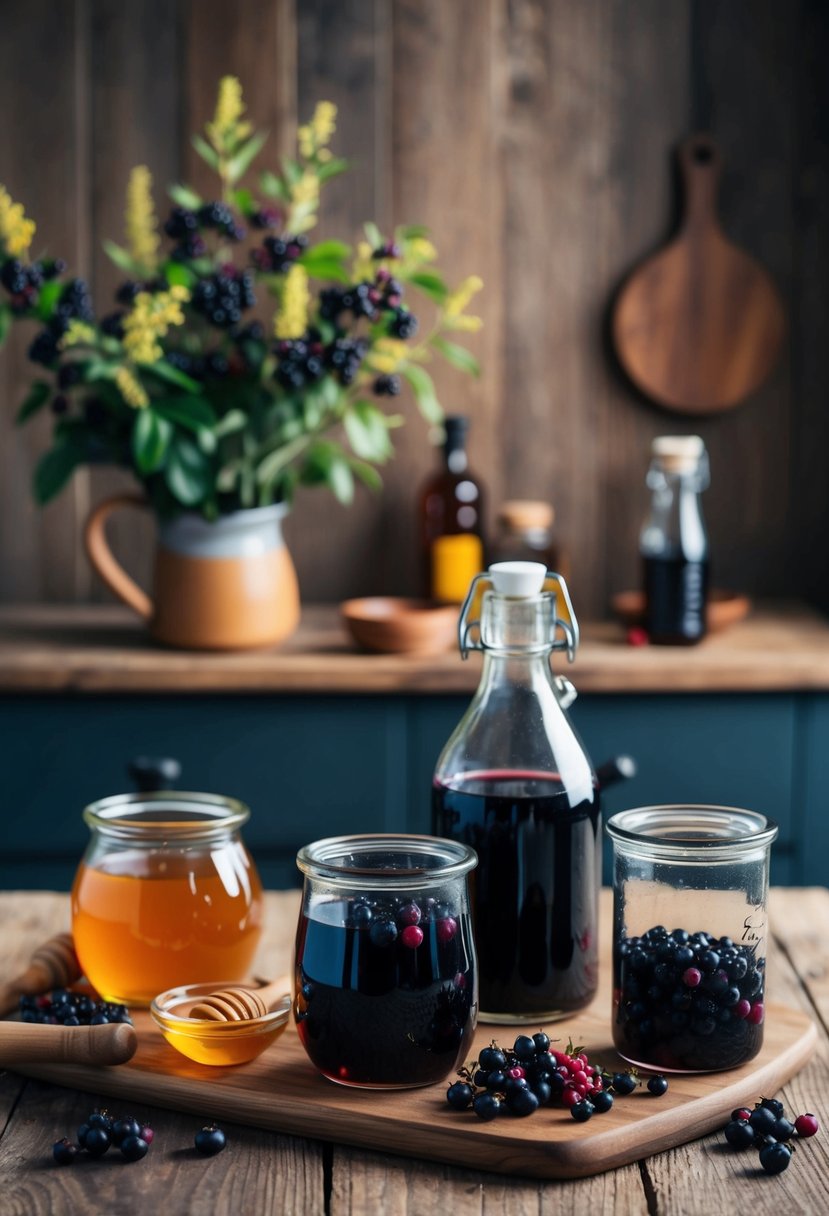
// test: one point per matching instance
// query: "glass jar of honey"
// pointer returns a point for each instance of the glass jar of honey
(166, 894)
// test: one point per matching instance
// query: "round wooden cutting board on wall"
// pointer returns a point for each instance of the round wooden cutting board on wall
(699, 325)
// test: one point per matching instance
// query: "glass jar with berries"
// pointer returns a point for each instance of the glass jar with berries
(386, 985)
(690, 885)
(515, 783)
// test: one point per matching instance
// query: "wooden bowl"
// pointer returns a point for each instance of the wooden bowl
(724, 608)
(389, 625)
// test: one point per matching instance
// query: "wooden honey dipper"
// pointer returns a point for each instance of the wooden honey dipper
(53, 965)
(239, 1004)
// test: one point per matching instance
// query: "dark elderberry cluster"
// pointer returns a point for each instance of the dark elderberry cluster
(532, 1074)
(277, 254)
(222, 297)
(688, 1000)
(219, 217)
(767, 1129)
(74, 304)
(66, 1008)
(301, 360)
(215, 365)
(100, 1131)
(344, 357)
(23, 281)
(387, 386)
(183, 227)
(368, 300)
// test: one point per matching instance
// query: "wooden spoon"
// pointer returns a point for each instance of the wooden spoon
(239, 1004)
(114, 1043)
(698, 326)
(53, 965)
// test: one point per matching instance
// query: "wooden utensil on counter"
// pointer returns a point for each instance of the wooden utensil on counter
(53, 965)
(21, 1042)
(698, 326)
(239, 1004)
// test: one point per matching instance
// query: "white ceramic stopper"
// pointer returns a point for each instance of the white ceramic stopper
(518, 579)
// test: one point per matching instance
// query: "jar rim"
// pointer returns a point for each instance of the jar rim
(180, 815)
(328, 859)
(683, 827)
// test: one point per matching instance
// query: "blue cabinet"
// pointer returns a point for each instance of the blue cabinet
(311, 766)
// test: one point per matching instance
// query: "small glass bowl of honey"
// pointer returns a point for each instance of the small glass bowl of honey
(209, 1042)
(165, 894)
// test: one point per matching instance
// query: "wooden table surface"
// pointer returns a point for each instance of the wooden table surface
(52, 648)
(261, 1173)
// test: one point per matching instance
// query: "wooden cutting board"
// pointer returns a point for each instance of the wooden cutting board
(282, 1092)
(698, 326)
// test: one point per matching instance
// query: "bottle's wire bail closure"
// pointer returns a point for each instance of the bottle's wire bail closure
(566, 625)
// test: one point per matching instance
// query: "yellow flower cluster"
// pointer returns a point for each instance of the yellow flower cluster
(317, 133)
(149, 319)
(386, 355)
(363, 267)
(131, 388)
(307, 190)
(419, 249)
(16, 231)
(142, 234)
(226, 125)
(291, 320)
(78, 333)
(457, 302)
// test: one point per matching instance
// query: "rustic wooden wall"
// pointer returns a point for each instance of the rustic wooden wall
(534, 137)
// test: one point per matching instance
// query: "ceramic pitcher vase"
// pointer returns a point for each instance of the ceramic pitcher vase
(227, 584)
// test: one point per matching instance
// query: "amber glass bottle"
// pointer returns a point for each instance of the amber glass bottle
(451, 520)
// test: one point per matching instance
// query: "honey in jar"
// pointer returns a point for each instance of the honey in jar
(165, 895)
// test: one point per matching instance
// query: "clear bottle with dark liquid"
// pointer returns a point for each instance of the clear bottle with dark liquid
(515, 783)
(674, 543)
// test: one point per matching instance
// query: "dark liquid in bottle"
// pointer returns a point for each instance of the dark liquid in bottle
(534, 891)
(384, 1014)
(676, 591)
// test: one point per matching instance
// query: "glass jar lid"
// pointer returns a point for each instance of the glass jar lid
(173, 816)
(386, 860)
(685, 831)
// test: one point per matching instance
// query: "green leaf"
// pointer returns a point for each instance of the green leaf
(208, 154)
(151, 437)
(192, 412)
(373, 234)
(37, 396)
(411, 232)
(5, 322)
(244, 201)
(326, 250)
(341, 480)
(327, 270)
(272, 186)
(171, 375)
(367, 474)
(123, 260)
(331, 168)
(424, 391)
(292, 170)
(206, 439)
(430, 283)
(238, 165)
(178, 275)
(55, 468)
(234, 420)
(458, 356)
(184, 196)
(365, 427)
(48, 298)
(188, 472)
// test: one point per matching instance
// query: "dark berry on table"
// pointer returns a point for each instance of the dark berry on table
(97, 1141)
(147, 1133)
(481, 1078)
(522, 1102)
(542, 1041)
(783, 1129)
(486, 1106)
(774, 1105)
(658, 1086)
(582, 1111)
(523, 1047)
(762, 1120)
(742, 1113)
(492, 1058)
(123, 1127)
(624, 1083)
(459, 1095)
(543, 1091)
(100, 1118)
(133, 1148)
(775, 1158)
(64, 1152)
(82, 1131)
(210, 1140)
(602, 1101)
(496, 1081)
(806, 1125)
(739, 1134)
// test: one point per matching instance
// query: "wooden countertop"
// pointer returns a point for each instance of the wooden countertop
(103, 649)
(263, 1172)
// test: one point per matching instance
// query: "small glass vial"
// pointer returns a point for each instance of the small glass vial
(674, 543)
(166, 894)
(690, 885)
(386, 985)
(525, 534)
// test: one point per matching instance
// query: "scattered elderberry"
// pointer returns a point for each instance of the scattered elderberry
(806, 1125)
(775, 1158)
(658, 1086)
(739, 1134)
(64, 1151)
(134, 1147)
(210, 1140)
(486, 1106)
(459, 1095)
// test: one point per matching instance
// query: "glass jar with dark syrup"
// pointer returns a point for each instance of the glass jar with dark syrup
(514, 783)
(673, 542)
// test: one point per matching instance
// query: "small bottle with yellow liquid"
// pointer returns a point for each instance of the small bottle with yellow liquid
(166, 894)
(451, 520)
